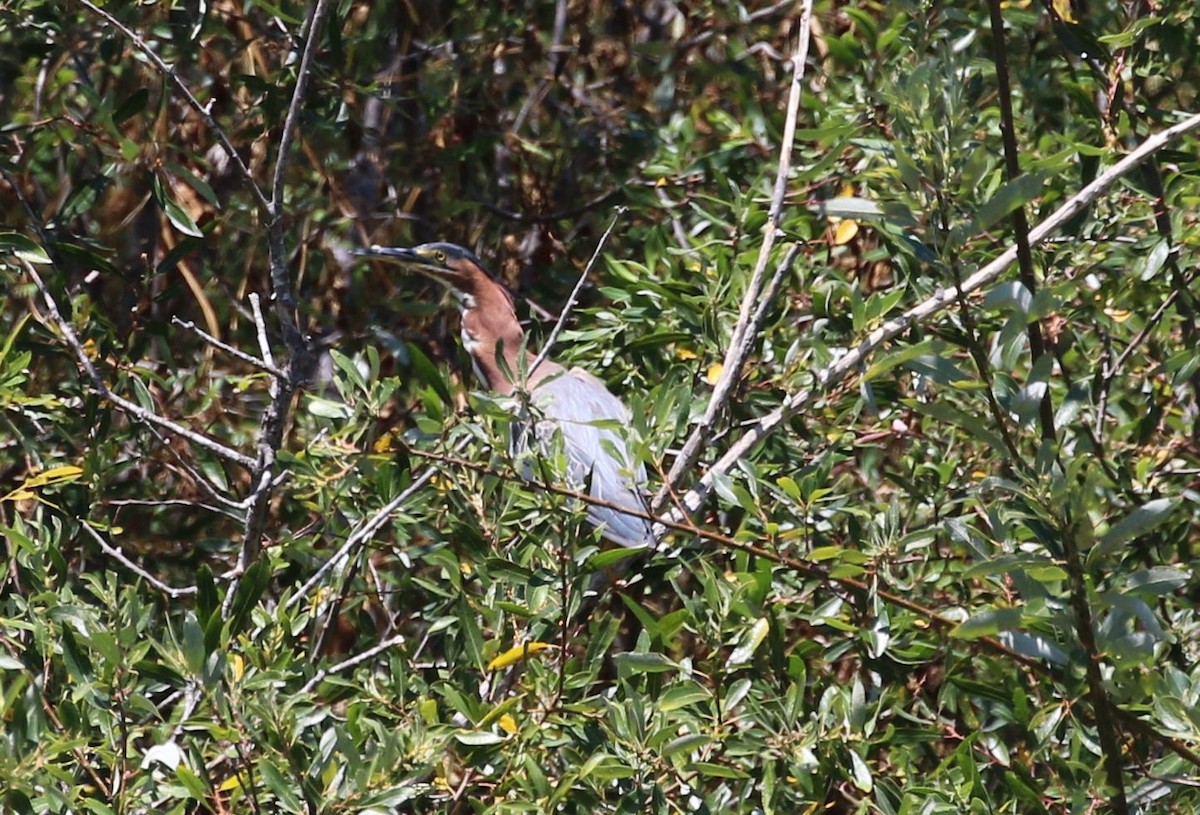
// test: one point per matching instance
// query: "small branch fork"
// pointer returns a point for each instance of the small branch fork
(745, 332)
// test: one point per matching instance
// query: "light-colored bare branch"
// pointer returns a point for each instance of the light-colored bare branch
(361, 535)
(260, 330)
(225, 347)
(570, 304)
(119, 556)
(743, 337)
(841, 368)
(346, 664)
(64, 328)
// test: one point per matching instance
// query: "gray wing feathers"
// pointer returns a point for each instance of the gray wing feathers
(581, 407)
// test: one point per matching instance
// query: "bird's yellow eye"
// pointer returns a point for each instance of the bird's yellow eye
(439, 256)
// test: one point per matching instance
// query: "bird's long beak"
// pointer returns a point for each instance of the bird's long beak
(395, 254)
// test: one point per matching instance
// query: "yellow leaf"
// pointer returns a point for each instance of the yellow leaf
(385, 443)
(516, 654)
(89, 349)
(508, 724)
(1063, 7)
(19, 495)
(686, 354)
(845, 233)
(55, 475)
(847, 190)
(713, 375)
(662, 182)
(1119, 315)
(237, 666)
(231, 783)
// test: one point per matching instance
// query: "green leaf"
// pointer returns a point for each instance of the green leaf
(25, 248)
(249, 591)
(712, 770)
(328, 408)
(987, 622)
(134, 104)
(1011, 196)
(428, 373)
(685, 744)
(192, 783)
(1155, 259)
(681, 696)
(347, 366)
(175, 213)
(860, 772)
(750, 640)
(1158, 581)
(848, 206)
(1134, 525)
(479, 738)
(652, 663)
(278, 784)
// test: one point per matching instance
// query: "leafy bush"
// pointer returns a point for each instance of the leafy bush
(931, 532)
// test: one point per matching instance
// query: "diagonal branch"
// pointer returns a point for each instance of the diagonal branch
(743, 335)
(68, 334)
(169, 73)
(570, 304)
(841, 368)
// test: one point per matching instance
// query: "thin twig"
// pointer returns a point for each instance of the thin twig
(570, 304)
(742, 338)
(236, 353)
(68, 334)
(260, 330)
(313, 28)
(169, 72)
(119, 556)
(841, 368)
(320, 675)
(772, 289)
(367, 530)
(551, 217)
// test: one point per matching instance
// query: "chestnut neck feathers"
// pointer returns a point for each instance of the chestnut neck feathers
(493, 336)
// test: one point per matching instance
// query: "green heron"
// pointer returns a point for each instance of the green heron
(570, 402)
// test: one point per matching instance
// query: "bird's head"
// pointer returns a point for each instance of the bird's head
(448, 263)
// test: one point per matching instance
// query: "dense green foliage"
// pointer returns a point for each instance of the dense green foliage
(959, 580)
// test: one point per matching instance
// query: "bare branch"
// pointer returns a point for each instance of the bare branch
(743, 338)
(841, 368)
(361, 535)
(570, 304)
(260, 328)
(119, 556)
(236, 353)
(68, 334)
(297, 369)
(346, 664)
(314, 27)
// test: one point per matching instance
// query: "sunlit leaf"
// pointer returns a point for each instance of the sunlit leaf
(516, 654)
